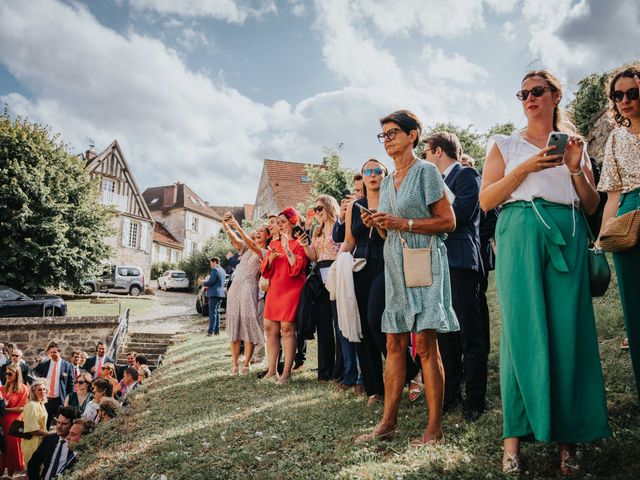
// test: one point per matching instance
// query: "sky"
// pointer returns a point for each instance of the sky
(202, 91)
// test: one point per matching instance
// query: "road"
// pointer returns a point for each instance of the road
(173, 312)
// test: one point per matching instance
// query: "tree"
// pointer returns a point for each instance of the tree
(197, 264)
(52, 228)
(330, 178)
(590, 99)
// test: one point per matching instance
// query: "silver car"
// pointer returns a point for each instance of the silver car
(118, 279)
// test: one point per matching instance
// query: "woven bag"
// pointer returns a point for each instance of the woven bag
(620, 233)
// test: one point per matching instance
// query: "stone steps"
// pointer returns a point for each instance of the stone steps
(151, 345)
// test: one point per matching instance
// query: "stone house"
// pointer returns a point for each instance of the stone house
(133, 223)
(282, 184)
(166, 247)
(181, 212)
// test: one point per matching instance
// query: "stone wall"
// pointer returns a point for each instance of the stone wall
(597, 137)
(32, 334)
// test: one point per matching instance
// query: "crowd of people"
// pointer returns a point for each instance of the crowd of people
(398, 270)
(45, 410)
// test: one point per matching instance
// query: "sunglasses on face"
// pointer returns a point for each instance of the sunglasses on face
(14, 355)
(9, 373)
(318, 209)
(81, 382)
(390, 135)
(618, 95)
(535, 91)
(369, 172)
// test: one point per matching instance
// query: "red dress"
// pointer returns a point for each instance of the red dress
(12, 458)
(285, 282)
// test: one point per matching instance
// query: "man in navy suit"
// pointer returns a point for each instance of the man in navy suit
(215, 294)
(54, 451)
(464, 353)
(95, 363)
(60, 380)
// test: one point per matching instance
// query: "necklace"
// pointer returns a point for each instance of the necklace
(535, 139)
(405, 168)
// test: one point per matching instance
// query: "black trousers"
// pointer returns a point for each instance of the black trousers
(484, 310)
(464, 353)
(330, 363)
(369, 297)
(52, 406)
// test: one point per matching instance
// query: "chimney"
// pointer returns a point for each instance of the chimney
(90, 155)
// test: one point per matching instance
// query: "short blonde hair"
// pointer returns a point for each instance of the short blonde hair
(36, 382)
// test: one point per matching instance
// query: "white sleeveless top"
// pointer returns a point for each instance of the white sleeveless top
(553, 184)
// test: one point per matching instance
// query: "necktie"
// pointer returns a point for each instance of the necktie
(52, 385)
(56, 462)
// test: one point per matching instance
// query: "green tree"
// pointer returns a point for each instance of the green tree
(590, 99)
(500, 129)
(196, 265)
(52, 228)
(473, 143)
(330, 178)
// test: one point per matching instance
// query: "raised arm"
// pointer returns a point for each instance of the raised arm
(248, 242)
(235, 240)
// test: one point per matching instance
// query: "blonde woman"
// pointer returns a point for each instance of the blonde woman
(35, 418)
(323, 251)
(109, 373)
(550, 373)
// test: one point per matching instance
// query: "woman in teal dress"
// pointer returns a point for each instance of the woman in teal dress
(413, 206)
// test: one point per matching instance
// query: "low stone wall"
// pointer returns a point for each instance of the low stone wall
(32, 334)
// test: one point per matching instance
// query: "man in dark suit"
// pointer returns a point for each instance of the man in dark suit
(15, 358)
(215, 294)
(80, 428)
(60, 380)
(464, 353)
(53, 452)
(95, 363)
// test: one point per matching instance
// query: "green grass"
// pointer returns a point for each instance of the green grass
(194, 421)
(107, 306)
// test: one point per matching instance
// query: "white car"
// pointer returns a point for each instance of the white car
(173, 279)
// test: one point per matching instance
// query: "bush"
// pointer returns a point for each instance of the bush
(197, 264)
(157, 269)
(589, 100)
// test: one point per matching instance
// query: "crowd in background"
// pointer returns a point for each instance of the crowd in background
(45, 410)
(392, 278)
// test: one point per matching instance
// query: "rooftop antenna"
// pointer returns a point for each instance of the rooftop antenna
(92, 143)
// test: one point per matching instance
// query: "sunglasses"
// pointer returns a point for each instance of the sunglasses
(390, 135)
(535, 91)
(368, 172)
(618, 95)
(318, 209)
(14, 355)
(81, 382)
(9, 373)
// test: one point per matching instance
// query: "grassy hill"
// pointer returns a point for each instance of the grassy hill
(194, 421)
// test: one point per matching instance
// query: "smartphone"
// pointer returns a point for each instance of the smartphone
(363, 208)
(559, 140)
(297, 231)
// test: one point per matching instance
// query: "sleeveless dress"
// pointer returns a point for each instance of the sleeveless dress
(243, 322)
(417, 308)
(12, 457)
(35, 418)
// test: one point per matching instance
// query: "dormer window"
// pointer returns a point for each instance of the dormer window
(154, 201)
(305, 179)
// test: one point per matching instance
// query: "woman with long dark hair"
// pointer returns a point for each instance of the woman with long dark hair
(550, 373)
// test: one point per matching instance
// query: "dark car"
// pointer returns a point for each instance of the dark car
(17, 304)
(202, 302)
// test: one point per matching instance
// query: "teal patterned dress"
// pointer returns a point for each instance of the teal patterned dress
(417, 308)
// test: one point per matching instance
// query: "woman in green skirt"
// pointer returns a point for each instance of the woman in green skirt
(550, 373)
(621, 180)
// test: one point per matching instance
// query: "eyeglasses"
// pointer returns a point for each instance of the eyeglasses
(318, 209)
(535, 91)
(618, 95)
(369, 172)
(81, 382)
(390, 135)
(9, 373)
(15, 355)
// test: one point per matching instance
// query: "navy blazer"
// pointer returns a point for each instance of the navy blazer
(66, 376)
(339, 231)
(463, 244)
(215, 284)
(93, 361)
(42, 457)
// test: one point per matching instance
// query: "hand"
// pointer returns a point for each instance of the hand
(387, 221)
(367, 218)
(573, 154)
(93, 370)
(284, 241)
(540, 161)
(234, 223)
(304, 240)
(344, 204)
(273, 255)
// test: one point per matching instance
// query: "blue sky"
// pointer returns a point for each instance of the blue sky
(201, 91)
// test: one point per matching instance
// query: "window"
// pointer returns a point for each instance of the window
(195, 223)
(129, 272)
(175, 256)
(305, 179)
(193, 200)
(133, 235)
(108, 185)
(154, 201)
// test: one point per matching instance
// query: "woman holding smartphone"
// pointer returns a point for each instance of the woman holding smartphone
(550, 373)
(284, 266)
(621, 180)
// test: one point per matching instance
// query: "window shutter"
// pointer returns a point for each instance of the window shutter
(144, 234)
(126, 230)
(188, 226)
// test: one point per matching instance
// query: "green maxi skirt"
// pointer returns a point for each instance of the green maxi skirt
(550, 374)
(627, 265)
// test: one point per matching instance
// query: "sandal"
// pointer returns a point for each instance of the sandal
(624, 345)
(374, 399)
(375, 435)
(511, 464)
(415, 390)
(569, 464)
(419, 442)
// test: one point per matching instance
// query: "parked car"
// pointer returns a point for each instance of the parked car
(17, 304)
(202, 301)
(173, 279)
(117, 279)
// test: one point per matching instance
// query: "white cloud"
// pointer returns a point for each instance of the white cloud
(227, 10)
(502, 6)
(508, 31)
(453, 67)
(189, 38)
(298, 7)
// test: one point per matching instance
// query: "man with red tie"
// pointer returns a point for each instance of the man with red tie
(94, 364)
(75, 363)
(60, 380)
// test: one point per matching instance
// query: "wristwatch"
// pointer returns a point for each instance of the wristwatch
(410, 222)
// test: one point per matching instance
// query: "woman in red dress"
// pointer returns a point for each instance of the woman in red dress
(285, 268)
(16, 396)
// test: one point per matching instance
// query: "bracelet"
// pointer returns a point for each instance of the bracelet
(579, 173)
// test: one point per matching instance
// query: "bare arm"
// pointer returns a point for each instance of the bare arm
(349, 243)
(246, 238)
(233, 237)
(611, 207)
(309, 251)
(583, 182)
(442, 220)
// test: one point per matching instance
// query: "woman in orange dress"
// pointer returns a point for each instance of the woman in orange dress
(285, 267)
(16, 395)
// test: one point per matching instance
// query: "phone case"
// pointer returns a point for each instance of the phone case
(560, 141)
